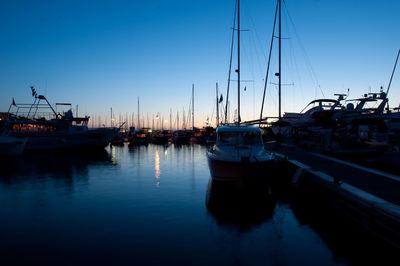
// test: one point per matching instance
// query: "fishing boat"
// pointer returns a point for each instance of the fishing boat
(238, 154)
(47, 129)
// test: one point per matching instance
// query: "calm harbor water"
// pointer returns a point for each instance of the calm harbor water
(152, 205)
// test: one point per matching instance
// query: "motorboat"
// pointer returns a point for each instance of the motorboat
(239, 155)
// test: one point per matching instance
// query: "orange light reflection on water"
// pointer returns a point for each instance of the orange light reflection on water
(157, 166)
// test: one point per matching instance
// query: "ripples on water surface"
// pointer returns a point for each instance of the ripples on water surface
(156, 205)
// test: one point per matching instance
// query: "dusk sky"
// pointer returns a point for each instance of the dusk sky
(103, 54)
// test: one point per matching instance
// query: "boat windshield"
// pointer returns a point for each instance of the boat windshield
(239, 138)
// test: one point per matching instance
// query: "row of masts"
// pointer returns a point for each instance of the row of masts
(157, 120)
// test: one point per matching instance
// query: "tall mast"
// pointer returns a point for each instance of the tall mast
(111, 122)
(230, 64)
(138, 114)
(216, 90)
(238, 70)
(183, 118)
(177, 120)
(268, 64)
(280, 74)
(170, 119)
(193, 106)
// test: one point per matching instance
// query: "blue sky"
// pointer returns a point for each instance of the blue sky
(102, 54)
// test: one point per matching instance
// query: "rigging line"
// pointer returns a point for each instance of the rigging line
(249, 63)
(303, 49)
(212, 115)
(295, 68)
(230, 62)
(391, 77)
(258, 49)
(268, 64)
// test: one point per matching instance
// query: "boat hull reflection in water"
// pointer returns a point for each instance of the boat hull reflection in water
(241, 207)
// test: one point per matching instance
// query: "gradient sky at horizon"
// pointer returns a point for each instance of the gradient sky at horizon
(103, 54)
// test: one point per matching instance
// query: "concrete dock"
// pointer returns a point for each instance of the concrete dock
(367, 196)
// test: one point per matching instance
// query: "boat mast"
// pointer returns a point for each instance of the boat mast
(111, 120)
(192, 106)
(268, 64)
(279, 72)
(238, 70)
(138, 117)
(177, 120)
(230, 64)
(216, 90)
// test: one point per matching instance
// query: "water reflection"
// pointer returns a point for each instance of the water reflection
(113, 157)
(57, 165)
(120, 216)
(157, 164)
(240, 207)
(346, 239)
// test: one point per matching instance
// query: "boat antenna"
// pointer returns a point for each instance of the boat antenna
(394, 68)
(268, 64)
(230, 64)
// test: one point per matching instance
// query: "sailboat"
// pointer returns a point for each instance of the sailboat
(238, 154)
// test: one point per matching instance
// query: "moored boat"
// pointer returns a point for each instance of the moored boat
(239, 155)
(181, 136)
(52, 130)
(161, 137)
(140, 137)
(11, 146)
